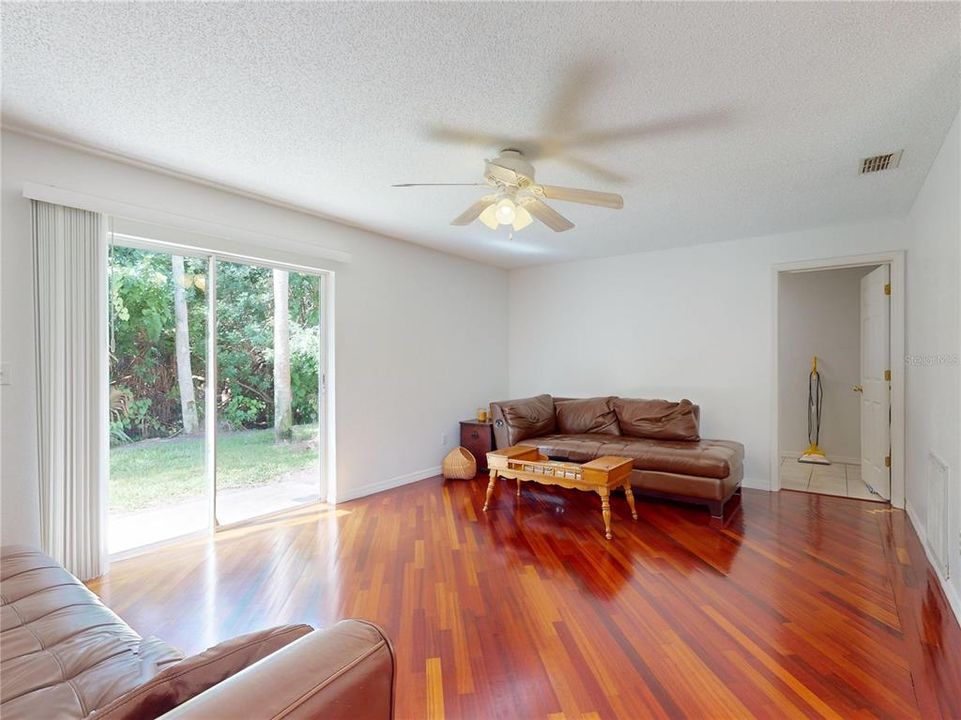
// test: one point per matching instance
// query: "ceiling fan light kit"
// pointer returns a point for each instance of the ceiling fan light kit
(504, 210)
(518, 200)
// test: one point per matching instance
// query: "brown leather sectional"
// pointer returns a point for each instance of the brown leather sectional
(671, 460)
(64, 655)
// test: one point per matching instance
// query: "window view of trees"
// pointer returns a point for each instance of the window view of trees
(268, 350)
(268, 340)
(151, 320)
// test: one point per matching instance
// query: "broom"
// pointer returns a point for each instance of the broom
(814, 454)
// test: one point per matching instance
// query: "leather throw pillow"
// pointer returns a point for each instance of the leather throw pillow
(591, 415)
(530, 417)
(658, 419)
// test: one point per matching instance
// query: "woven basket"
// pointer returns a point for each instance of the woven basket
(459, 465)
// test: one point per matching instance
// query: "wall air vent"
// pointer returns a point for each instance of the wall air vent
(881, 162)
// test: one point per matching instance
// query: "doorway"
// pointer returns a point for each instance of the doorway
(217, 391)
(838, 393)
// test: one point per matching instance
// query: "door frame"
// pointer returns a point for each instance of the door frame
(896, 260)
(325, 415)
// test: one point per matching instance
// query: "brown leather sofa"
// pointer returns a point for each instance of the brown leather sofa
(671, 460)
(64, 655)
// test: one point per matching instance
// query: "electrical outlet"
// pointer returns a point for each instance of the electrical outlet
(443, 439)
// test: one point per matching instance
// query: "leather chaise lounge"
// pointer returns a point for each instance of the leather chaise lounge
(671, 460)
(65, 656)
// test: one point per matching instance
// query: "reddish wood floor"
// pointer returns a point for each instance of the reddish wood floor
(802, 606)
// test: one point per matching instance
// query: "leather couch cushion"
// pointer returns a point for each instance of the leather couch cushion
(529, 417)
(63, 653)
(658, 419)
(198, 673)
(703, 458)
(686, 486)
(592, 415)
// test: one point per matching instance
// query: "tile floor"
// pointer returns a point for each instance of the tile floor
(835, 479)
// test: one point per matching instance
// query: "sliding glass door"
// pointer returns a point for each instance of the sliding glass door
(158, 370)
(215, 392)
(268, 359)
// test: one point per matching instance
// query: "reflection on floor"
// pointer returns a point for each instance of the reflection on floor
(801, 605)
(835, 479)
(146, 527)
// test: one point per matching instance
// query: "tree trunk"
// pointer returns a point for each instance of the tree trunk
(185, 379)
(283, 412)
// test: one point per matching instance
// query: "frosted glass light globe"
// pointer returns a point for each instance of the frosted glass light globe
(505, 212)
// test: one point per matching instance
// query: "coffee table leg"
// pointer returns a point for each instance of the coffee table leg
(518, 487)
(490, 489)
(606, 511)
(630, 499)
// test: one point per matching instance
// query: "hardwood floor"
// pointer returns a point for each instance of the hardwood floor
(801, 606)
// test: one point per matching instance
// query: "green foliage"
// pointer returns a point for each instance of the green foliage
(118, 433)
(143, 364)
(143, 344)
(245, 335)
(242, 411)
(304, 358)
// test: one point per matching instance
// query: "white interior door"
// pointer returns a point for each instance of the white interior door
(876, 381)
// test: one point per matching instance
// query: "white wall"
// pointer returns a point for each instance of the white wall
(819, 313)
(933, 376)
(413, 354)
(693, 322)
(696, 322)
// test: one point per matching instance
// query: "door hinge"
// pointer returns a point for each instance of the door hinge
(887, 461)
(887, 375)
(887, 288)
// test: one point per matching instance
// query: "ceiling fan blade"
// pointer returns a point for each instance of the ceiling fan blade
(448, 134)
(438, 184)
(573, 93)
(474, 211)
(585, 197)
(609, 176)
(547, 215)
(706, 120)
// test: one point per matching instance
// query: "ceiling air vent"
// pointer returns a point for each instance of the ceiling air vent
(881, 162)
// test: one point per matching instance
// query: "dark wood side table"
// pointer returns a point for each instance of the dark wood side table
(478, 437)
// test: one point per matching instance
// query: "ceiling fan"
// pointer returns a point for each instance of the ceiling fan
(517, 200)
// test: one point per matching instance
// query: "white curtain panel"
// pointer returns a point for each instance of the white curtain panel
(70, 266)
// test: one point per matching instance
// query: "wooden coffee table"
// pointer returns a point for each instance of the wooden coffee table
(601, 475)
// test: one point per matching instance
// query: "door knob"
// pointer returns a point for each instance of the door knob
(858, 388)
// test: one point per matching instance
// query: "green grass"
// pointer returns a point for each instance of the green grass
(158, 472)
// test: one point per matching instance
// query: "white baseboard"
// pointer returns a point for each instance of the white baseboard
(950, 592)
(841, 460)
(389, 484)
(756, 483)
